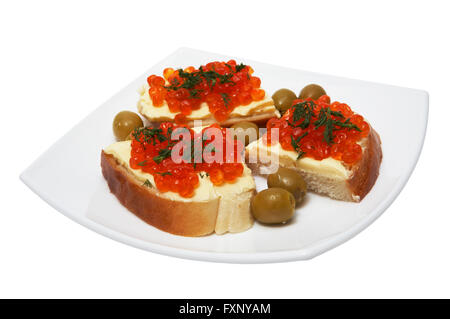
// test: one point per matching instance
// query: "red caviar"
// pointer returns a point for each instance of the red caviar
(314, 138)
(151, 152)
(221, 85)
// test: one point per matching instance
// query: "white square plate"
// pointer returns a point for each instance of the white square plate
(319, 225)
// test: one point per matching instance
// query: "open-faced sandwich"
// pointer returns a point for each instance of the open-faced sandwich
(180, 181)
(335, 150)
(192, 181)
(218, 92)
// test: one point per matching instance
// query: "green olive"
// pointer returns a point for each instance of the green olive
(273, 206)
(289, 180)
(124, 123)
(313, 91)
(283, 99)
(246, 129)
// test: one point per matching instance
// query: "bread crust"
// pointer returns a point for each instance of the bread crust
(176, 217)
(366, 171)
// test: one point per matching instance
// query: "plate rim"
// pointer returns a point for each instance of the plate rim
(305, 253)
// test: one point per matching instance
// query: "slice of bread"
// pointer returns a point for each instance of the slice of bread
(258, 112)
(218, 209)
(328, 177)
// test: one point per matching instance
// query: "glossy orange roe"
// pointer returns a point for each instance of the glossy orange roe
(344, 146)
(233, 86)
(153, 155)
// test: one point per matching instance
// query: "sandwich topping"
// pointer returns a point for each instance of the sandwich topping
(320, 129)
(221, 85)
(177, 156)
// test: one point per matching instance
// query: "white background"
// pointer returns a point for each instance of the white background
(60, 60)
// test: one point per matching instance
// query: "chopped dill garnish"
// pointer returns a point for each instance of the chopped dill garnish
(147, 183)
(164, 173)
(226, 99)
(304, 115)
(203, 175)
(212, 77)
(162, 155)
(296, 144)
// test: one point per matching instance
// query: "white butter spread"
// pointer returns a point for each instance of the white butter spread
(327, 166)
(146, 108)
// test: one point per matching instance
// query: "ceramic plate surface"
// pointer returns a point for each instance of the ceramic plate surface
(319, 225)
